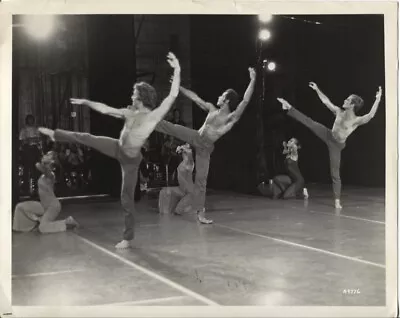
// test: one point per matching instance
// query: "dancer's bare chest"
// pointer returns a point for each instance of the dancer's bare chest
(343, 127)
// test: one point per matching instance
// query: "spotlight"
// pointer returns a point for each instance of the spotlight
(39, 26)
(271, 66)
(264, 35)
(265, 18)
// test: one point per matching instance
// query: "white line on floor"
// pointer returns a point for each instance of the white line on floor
(152, 274)
(303, 246)
(48, 273)
(340, 215)
(144, 301)
(349, 217)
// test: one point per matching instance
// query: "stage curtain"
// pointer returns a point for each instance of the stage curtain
(51, 71)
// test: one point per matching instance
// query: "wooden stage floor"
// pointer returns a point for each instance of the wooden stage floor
(258, 252)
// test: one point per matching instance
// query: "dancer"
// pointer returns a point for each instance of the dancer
(42, 215)
(290, 185)
(296, 181)
(219, 121)
(140, 121)
(346, 122)
(179, 199)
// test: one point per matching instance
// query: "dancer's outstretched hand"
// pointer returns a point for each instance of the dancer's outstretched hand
(252, 73)
(379, 93)
(77, 101)
(285, 104)
(173, 61)
(313, 85)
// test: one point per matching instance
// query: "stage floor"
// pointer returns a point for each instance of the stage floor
(258, 252)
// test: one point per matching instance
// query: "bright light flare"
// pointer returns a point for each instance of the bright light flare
(271, 66)
(265, 18)
(39, 26)
(264, 35)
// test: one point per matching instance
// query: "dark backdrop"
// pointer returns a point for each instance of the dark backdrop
(112, 72)
(222, 49)
(344, 55)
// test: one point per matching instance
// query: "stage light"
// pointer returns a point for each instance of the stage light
(265, 18)
(264, 35)
(39, 26)
(271, 66)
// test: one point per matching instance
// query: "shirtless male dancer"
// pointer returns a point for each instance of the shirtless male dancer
(219, 121)
(345, 123)
(140, 120)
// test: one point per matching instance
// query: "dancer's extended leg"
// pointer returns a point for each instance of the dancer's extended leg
(203, 153)
(105, 145)
(181, 132)
(129, 168)
(334, 147)
(318, 129)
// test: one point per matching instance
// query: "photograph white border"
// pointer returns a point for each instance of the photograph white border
(390, 11)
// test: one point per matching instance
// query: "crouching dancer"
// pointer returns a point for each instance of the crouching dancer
(31, 215)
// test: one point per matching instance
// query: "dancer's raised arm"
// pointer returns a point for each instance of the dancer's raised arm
(235, 115)
(285, 148)
(366, 118)
(333, 108)
(44, 165)
(198, 101)
(101, 108)
(159, 113)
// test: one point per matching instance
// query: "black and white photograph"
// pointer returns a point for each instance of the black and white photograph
(202, 162)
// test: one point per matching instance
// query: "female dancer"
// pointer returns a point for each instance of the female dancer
(291, 150)
(30, 215)
(179, 199)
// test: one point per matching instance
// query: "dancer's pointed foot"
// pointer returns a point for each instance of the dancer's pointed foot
(305, 194)
(285, 104)
(337, 204)
(201, 217)
(48, 132)
(123, 244)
